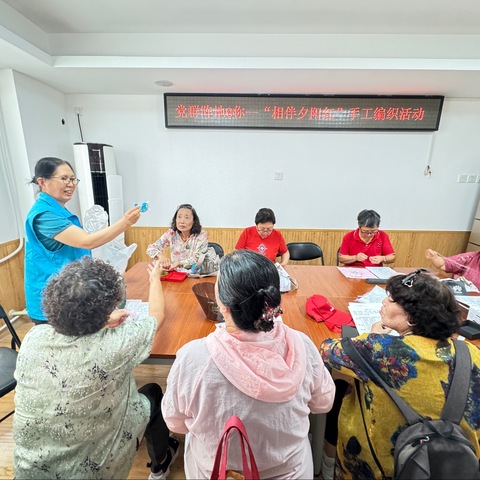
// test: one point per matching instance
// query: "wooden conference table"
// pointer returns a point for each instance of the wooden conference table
(186, 321)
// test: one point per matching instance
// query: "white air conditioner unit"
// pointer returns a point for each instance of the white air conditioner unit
(99, 183)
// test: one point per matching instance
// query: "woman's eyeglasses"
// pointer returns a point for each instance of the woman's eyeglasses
(369, 232)
(66, 180)
(408, 280)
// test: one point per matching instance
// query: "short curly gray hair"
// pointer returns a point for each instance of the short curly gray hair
(79, 300)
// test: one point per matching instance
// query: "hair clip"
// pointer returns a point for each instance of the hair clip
(270, 313)
(408, 280)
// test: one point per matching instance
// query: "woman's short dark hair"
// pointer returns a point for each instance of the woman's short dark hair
(79, 300)
(46, 167)
(368, 218)
(248, 283)
(196, 227)
(265, 215)
(429, 304)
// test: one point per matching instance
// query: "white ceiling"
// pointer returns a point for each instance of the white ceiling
(246, 46)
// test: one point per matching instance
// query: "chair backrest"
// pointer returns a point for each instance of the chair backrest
(8, 361)
(305, 251)
(15, 338)
(217, 247)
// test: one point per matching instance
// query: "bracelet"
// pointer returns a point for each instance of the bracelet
(384, 259)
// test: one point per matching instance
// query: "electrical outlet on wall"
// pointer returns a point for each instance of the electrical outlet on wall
(462, 179)
(471, 178)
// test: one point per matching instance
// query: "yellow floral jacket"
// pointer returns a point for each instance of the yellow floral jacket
(420, 370)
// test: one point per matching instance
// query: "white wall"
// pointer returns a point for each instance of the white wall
(228, 174)
(328, 177)
(32, 128)
(42, 110)
(15, 197)
(9, 230)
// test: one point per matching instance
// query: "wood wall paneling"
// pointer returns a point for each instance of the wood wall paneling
(409, 245)
(12, 296)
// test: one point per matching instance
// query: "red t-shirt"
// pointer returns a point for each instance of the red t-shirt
(269, 247)
(353, 244)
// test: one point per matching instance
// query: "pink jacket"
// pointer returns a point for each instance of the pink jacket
(466, 265)
(272, 381)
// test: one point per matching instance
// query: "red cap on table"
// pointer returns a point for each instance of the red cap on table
(320, 309)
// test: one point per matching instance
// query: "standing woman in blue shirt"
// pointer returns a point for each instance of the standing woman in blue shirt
(54, 236)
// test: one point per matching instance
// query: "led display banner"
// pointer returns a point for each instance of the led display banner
(303, 112)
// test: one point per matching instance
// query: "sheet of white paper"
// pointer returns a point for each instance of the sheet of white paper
(365, 315)
(382, 272)
(353, 272)
(471, 301)
(375, 295)
(474, 315)
(137, 309)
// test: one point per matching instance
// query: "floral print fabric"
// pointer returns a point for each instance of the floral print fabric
(186, 253)
(78, 413)
(420, 370)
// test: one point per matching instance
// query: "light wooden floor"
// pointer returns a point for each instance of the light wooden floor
(143, 374)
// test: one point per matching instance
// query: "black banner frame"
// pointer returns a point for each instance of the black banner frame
(231, 110)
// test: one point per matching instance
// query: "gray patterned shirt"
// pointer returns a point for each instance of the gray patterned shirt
(77, 410)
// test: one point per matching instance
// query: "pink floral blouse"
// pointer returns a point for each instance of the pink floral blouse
(184, 252)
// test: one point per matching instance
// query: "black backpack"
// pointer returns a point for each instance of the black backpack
(426, 448)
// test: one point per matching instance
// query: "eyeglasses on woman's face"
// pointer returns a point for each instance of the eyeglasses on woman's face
(66, 180)
(369, 231)
(265, 229)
